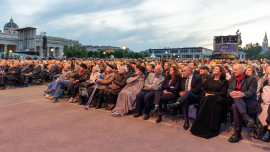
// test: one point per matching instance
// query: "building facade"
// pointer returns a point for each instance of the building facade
(26, 41)
(265, 44)
(182, 53)
(102, 48)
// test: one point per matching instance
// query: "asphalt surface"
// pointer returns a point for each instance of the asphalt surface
(29, 122)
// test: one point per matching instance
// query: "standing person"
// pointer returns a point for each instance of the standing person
(242, 88)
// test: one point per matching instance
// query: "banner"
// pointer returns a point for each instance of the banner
(225, 48)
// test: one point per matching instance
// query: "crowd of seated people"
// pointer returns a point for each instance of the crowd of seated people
(145, 86)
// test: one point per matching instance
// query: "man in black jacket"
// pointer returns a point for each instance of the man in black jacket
(35, 73)
(51, 72)
(190, 90)
(12, 74)
(242, 90)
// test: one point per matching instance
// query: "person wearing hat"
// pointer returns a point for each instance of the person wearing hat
(108, 77)
(143, 99)
(204, 74)
(126, 98)
(82, 76)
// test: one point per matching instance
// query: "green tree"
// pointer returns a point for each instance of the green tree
(101, 55)
(90, 54)
(252, 51)
(84, 51)
(95, 54)
(69, 54)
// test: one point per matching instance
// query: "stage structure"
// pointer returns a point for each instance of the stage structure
(226, 47)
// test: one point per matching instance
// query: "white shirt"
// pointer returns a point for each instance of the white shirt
(189, 82)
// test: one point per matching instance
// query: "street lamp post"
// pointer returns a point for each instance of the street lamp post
(10, 51)
(104, 54)
(124, 48)
(166, 52)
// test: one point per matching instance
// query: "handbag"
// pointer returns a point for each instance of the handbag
(83, 92)
(113, 87)
(258, 131)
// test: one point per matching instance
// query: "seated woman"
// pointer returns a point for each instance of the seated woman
(117, 85)
(93, 77)
(82, 77)
(127, 96)
(251, 71)
(264, 116)
(169, 90)
(208, 120)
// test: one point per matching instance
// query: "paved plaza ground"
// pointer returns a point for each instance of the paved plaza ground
(29, 122)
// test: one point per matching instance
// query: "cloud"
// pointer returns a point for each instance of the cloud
(142, 24)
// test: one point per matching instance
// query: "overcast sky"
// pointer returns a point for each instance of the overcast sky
(142, 24)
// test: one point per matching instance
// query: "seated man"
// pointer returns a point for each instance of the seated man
(191, 88)
(35, 73)
(150, 69)
(12, 74)
(242, 88)
(204, 74)
(63, 81)
(147, 94)
(51, 72)
(108, 77)
(27, 68)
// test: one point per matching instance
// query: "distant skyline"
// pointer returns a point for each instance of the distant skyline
(142, 24)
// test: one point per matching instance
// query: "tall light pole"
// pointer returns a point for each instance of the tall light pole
(166, 52)
(124, 48)
(104, 54)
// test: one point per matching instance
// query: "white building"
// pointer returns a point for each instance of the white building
(182, 53)
(26, 41)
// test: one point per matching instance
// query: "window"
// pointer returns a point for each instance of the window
(150, 52)
(195, 51)
(174, 51)
(183, 51)
(187, 56)
(197, 56)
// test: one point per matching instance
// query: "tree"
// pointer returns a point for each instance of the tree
(252, 51)
(101, 54)
(90, 54)
(78, 54)
(69, 54)
(84, 51)
(95, 54)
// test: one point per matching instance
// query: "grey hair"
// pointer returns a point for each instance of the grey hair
(77, 66)
(96, 68)
(125, 68)
(190, 68)
(69, 66)
(161, 69)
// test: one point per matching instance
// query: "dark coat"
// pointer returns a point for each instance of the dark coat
(175, 83)
(53, 70)
(15, 71)
(120, 81)
(249, 86)
(29, 69)
(84, 77)
(212, 109)
(219, 90)
(196, 85)
(204, 77)
(36, 70)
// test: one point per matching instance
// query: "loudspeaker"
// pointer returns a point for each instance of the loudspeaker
(44, 46)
